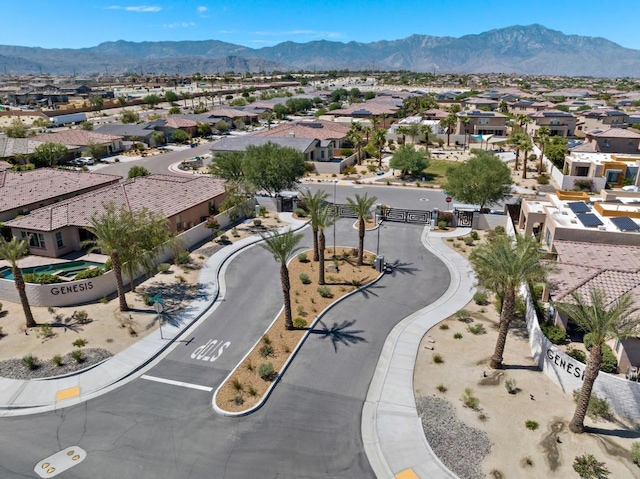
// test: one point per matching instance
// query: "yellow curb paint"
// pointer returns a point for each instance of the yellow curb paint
(68, 393)
(407, 474)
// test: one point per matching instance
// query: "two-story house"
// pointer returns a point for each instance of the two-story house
(560, 123)
(478, 122)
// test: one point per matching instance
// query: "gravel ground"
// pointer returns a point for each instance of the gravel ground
(460, 447)
(15, 369)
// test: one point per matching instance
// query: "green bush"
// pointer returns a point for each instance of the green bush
(531, 425)
(577, 354)
(88, 273)
(44, 278)
(542, 179)
(266, 350)
(324, 292)
(30, 362)
(477, 329)
(555, 334)
(442, 388)
(598, 407)
(266, 371)
(300, 213)
(107, 265)
(147, 300)
(474, 235)
(444, 326)
(79, 343)
(635, 452)
(257, 222)
(299, 322)
(81, 316)
(163, 267)
(438, 359)
(481, 298)
(182, 257)
(77, 355)
(442, 225)
(302, 257)
(588, 467)
(305, 278)
(469, 400)
(457, 336)
(57, 360)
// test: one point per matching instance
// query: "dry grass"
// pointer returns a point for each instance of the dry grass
(306, 303)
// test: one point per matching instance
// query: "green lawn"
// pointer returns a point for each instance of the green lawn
(437, 171)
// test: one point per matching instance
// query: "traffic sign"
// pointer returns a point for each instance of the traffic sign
(448, 199)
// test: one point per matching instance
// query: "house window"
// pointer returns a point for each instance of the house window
(322, 154)
(613, 176)
(59, 241)
(582, 171)
(607, 143)
(483, 121)
(36, 240)
(179, 222)
(547, 237)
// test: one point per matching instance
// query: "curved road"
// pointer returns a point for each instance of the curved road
(310, 426)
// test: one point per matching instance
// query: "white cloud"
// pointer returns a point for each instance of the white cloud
(202, 9)
(138, 8)
(179, 25)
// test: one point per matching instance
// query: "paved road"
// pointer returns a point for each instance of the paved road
(309, 428)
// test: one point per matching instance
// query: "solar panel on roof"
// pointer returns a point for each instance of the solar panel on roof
(578, 207)
(589, 220)
(624, 223)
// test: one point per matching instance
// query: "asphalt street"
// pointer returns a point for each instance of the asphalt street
(310, 426)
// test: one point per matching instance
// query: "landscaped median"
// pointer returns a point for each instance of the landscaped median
(250, 383)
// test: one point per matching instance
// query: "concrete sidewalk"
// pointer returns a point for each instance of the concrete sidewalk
(18, 397)
(392, 432)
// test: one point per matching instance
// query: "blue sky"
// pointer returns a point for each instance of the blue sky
(258, 23)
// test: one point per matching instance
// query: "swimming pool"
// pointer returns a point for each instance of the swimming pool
(65, 270)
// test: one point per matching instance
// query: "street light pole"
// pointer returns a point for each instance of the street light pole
(335, 212)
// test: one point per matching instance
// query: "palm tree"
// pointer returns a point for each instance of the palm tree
(283, 247)
(502, 266)
(404, 131)
(603, 321)
(314, 203)
(427, 130)
(12, 251)
(158, 138)
(526, 145)
(414, 130)
(111, 230)
(544, 132)
(466, 121)
(379, 139)
(354, 136)
(361, 206)
(516, 139)
(326, 218)
(449, 122)
(523, 120)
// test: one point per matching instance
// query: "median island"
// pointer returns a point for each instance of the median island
(251, 381)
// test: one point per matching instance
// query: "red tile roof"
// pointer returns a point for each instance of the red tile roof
(319, 129)
(76, 137)
(179, 122)
(168, 194)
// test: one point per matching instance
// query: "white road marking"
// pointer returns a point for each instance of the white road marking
(176, 383)
(60, 462)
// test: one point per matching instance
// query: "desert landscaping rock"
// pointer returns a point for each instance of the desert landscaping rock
(14, 369)
(460, 447)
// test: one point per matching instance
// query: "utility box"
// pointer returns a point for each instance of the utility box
(379, 263)
(257, 211)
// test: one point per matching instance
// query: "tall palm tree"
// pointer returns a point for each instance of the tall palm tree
(604, 321)
(466, 121)
(502, 266)
(523, 120)
(314, 203)
(413, 131)
(516, 139)
(379, 139)
(544, 132)
(427, 130)
(404, 131)
(449, 122)
(354, 136)
(111, 230)
(12, 251)
(283, 247)
(326, 218)
(361, 206)
(526, 146)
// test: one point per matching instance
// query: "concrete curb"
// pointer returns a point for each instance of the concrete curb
(294, 353)
(392, 432)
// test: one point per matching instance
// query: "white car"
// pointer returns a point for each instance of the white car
(85, 160)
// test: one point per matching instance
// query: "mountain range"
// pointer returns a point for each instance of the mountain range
(531, 49)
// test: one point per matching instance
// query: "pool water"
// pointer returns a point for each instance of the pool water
(64, 270)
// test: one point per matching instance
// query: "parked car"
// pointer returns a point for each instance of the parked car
(85, 160)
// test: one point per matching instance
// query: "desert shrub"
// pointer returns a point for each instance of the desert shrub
(438, 359)
(481, 298)
(635, 452)
(324, 292)
(445, 216)
(266, 371)
(103, 300)
(299, 322)
(223, 238)
(474, 235)
(57, 360)
(266, 350)
(238, 400)
(234, 233)
(44, 278)
(555, 334)
(147, 300)
(30, 362)
(46, 331)
(257, 222)
(469, 400)
(442, 388)
(457, 336)
(81, 316)
(577, 354)
(236, 385)
(588, 467)
(542, 179)
(79, 343)
(531, 425)
(463, 315)
(212, 223)
(266, 339)
(477, 329)
(88, 273)
(510, 384)
(305, 278)
(164, 267)
(584, 185)
(527, 461)
(444, 326)
(300, 213)
(468, 240)
(182, 257)
(442, 225)
(598, 407)
(251, 391)
(77, 355)
(303, 258)
(107, 265)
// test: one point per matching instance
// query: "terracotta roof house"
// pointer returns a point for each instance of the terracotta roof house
(59, 228)
(476, 103)
(560, 123)
(312, 148)
(22, 192)
(482, 123)
(319, 129)
(366, 109)
(604, 118)
(13, 147)
(435, 114)
(129, 131)
(610, 140)
(529, 106)
(81, 139)
(611, 268)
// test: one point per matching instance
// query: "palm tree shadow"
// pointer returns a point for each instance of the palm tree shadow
(338, 334)
(402, 268)
(368, 290)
